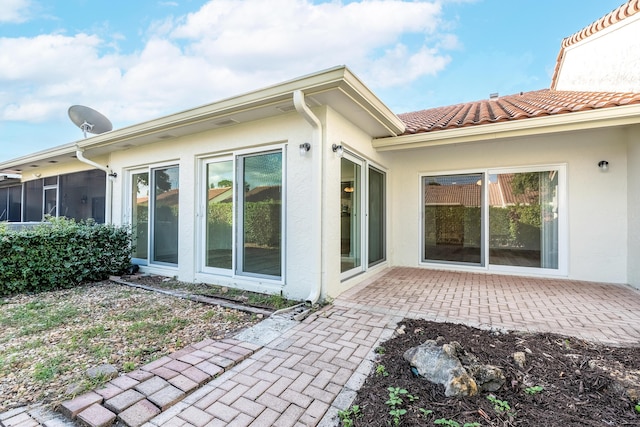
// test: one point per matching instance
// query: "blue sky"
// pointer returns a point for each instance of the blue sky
(136, 60)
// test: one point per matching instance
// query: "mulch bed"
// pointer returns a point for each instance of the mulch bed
(573, 393)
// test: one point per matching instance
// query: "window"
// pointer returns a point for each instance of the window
(523, 219)
(377, 217)
(505, 219)
(243, 220)
(219, 215)
(452, 218)
(165, 210)
(11, 203)
(362, 215)
(154, 213)
(140, 215)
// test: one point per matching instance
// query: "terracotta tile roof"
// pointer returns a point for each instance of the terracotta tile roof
(525, 105)
(631, 7)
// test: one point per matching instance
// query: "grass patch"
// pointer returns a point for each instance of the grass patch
(37, 316)
(46, 370)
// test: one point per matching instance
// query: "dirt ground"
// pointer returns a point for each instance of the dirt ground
(564, 388)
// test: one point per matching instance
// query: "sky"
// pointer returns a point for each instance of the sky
(136, 60)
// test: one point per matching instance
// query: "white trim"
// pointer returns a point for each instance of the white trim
(234, 276)
(563, 228)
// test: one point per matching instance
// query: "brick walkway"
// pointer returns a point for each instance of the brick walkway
(313, 370)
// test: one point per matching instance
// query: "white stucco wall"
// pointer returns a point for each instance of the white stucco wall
(354, 140)
(287, 132)
(606, 61)
(597, 202)
(633, 166)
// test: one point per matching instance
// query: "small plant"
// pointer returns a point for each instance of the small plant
(128, 366)
(638, 407)
(381, 370)
(500, 406)
(380, 350)
(533, 390)
(425, 412)
(446, 422)
(394, 402)
(347, 416)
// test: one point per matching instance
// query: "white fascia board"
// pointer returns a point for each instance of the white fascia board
(582, 120)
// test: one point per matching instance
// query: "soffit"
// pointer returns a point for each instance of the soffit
(336, 87)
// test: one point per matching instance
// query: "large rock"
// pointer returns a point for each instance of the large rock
(439, 365)
(450, 365)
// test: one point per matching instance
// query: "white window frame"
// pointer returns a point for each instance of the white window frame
(234, 273)
(563, 229)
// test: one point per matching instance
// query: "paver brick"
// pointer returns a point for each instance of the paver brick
(140, 375)
(196, 375)
(209, 368)
(122, 401)
(20, 420)
(139, 413)
(108, 391)
(190, 358)
(165, 373)
(124, 382)
(248, 407)
(156, 363)
(222, 411)
(183, 383)
(177, 365)
(195, 416)
(97, 415)
(73, 407)
(166, 397)
(151, 385)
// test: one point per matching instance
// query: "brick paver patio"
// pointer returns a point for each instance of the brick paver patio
(313, 370)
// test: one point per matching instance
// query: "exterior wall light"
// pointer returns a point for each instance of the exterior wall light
(337, 149)
(304, 148)
(603, 165)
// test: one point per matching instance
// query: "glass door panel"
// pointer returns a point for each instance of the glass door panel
(165, 215)
(453, 218)
(377, 243)
(523, 219)
(140, 215)
(350, 215)
(261, 214)
(219, 215)
(51, 201)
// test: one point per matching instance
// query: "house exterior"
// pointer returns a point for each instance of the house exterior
(310, 186)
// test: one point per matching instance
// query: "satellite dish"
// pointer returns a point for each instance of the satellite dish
(89, 120)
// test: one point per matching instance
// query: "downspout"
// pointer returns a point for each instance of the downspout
(317, 153)
(111, 176)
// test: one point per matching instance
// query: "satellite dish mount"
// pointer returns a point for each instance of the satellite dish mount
(89, 120)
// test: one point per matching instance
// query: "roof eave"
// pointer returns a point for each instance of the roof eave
(582, 120)
(339, 79)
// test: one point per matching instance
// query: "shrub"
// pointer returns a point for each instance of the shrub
(61, 253)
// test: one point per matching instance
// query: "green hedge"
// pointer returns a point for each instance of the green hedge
(61, 253)
(262, 221)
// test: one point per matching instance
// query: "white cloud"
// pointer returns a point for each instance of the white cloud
(15, 11)
(225, 48)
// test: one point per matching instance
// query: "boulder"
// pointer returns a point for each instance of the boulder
(457, 370)
(439, 365)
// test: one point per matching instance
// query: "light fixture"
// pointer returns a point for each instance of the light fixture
(304, 148)
(348, 189)
(337, 149)
(603, 165)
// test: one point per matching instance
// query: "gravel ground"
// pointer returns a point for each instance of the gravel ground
(49, 340)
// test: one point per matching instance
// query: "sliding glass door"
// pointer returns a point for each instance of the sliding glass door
(524, 218)
(154, 213)
(453, 218)
(362, 215)
(506, 219)
(243, 219)
(260, 214)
